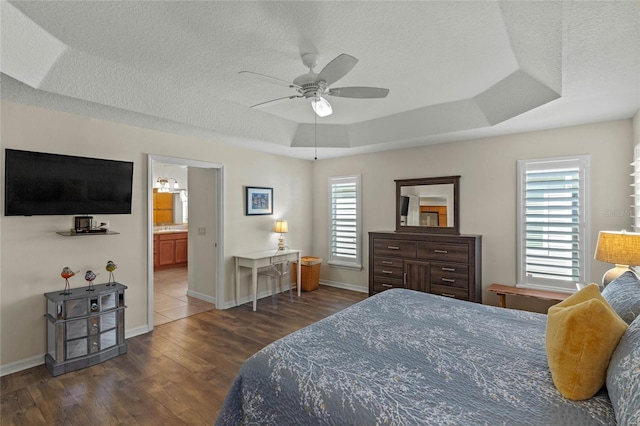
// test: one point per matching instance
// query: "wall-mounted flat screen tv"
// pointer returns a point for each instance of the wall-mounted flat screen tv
(404, 205)
(38, 183)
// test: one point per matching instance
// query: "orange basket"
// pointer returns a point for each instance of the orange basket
(309, 274)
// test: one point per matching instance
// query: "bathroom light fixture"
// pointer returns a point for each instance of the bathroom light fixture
(321, 106)
(162, 183)
(282, 228)
(620, 248)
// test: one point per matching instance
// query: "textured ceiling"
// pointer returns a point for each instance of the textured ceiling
(455, 69)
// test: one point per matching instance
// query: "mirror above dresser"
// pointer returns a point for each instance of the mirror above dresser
(426, 252)
(429, 205)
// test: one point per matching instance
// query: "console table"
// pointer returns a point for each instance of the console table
(260, 259)
(84, 327)
(503, 290)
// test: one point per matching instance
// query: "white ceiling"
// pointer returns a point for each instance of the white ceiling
(455, 69)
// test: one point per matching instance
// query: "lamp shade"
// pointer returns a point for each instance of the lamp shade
(621, 248)
(281, 226)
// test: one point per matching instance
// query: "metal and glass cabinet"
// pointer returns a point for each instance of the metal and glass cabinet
(84, 327)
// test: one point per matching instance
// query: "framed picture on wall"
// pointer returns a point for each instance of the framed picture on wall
(258, 200)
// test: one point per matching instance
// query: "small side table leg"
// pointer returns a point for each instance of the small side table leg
(237, 281)
(254, 285)
(502, 300)
(299, 273)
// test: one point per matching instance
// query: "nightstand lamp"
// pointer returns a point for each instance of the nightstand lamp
(621, 248)
(281, 228)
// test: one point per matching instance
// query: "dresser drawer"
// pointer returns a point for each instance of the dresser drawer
(450, 275)
(384, 283)
(456, 293)
(382, 247)
(389, 267)
(388, 272)
(388, 262)
(446, 252)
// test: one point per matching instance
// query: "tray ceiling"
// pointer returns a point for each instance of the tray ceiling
(456, 70)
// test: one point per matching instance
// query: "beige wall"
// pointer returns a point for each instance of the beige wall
(487, 191)
(636, 128)
(32, 254)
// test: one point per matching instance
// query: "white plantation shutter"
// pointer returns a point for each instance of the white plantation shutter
(344, 221)
(552, 217)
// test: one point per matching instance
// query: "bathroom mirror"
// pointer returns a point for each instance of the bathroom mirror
(170, 194)
(429, 205)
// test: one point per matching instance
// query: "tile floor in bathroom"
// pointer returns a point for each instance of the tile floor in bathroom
(170, 300)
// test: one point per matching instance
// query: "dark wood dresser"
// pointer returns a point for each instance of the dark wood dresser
(447, 265)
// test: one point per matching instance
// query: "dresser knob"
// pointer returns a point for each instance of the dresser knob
(448, 280)
(449, 269)
(441, 251)
(94, 307)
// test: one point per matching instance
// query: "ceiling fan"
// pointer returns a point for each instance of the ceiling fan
(315, 86)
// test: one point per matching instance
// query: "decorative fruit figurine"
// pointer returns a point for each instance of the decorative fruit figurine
(110, 268)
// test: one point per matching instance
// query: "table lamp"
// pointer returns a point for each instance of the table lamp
(281, 228)
(621, 248)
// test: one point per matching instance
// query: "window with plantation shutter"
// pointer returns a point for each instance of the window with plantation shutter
(344, 221)
(552, 223)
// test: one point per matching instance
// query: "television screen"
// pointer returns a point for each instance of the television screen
(38, 183)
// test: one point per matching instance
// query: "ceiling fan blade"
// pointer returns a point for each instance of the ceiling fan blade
(270, 78)
(336, 69)
(276, 100)
(359, 92)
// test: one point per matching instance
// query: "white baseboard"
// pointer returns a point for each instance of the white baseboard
(203, 297)
(132, 332)
(23, 364)
(345, 286)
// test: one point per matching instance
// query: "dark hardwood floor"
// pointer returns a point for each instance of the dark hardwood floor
(177, 374)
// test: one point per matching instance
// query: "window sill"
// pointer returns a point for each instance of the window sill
(548, 288)
(342, 265)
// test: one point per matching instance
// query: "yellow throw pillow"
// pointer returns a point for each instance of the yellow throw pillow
(582, 333)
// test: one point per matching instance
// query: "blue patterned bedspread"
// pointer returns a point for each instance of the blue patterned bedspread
(404, 358)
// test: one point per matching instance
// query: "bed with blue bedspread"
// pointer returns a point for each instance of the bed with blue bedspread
(402, 358)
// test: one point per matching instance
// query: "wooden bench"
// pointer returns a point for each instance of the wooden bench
(503, 290)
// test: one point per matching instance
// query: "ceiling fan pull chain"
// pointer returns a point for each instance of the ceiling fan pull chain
(315, 136)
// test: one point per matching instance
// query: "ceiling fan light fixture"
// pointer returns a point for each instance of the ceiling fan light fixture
(321, 106)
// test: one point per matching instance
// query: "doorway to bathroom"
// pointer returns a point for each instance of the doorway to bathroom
(185, 228)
